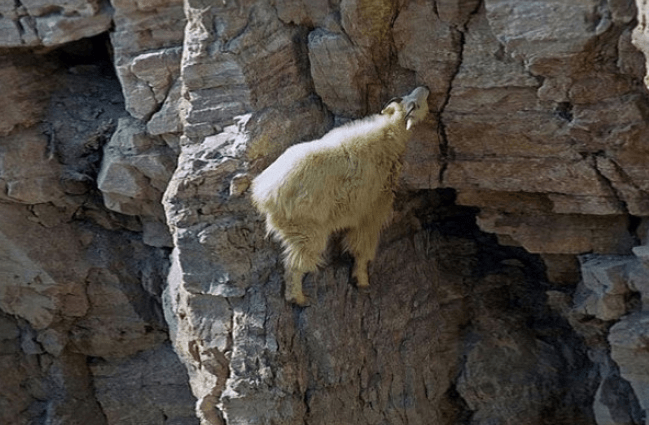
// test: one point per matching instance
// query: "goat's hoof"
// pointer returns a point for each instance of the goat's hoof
(363, 289)
(299, 300)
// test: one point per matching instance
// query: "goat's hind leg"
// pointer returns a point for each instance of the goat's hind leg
(303, 251)
(293, 292)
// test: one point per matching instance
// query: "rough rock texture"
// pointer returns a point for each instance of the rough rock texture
(136, 282)
(83, 338)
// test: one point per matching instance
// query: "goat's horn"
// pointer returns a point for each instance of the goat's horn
(394, 99)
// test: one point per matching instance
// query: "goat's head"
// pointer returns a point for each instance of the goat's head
(414, 106)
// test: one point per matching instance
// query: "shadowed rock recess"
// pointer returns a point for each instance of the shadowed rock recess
(136, 282)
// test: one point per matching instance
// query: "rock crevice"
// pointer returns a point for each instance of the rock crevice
(510, 286)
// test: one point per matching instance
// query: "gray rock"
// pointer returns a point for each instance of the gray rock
(135, 170)
(146, 80)
(167, 119)
(40, 23)
(25, 287)
(606, 280)
(335, 65)
(149, 388)
(53, 341)
(615, 403)
(538, 120)
(145, 26)
(113, 328)
(628, 339)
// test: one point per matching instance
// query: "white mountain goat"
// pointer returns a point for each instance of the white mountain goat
(343, 181)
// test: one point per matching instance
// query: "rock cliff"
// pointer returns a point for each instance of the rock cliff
(136, 282)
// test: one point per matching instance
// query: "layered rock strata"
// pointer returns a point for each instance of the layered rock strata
(137, 282)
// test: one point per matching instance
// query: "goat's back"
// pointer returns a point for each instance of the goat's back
(334, 180)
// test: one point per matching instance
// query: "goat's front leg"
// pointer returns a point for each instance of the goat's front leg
(360, 273)
(363, 239)
(293, 292)
(362, 244)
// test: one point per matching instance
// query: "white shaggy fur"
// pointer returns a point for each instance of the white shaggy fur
(343, 181)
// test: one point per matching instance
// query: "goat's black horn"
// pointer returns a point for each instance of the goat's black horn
(394, 99)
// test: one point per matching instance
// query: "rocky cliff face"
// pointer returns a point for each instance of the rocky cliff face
(136, 282)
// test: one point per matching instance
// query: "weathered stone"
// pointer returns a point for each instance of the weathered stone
(112, 328)
(275, 129)
(26, 290)
(562, 269)
(337, 67)
(483, 64)
(239, 184)
(605, 279)
(9, 33)
(615, 403)
(571, 234)
(422, 166)
(149, 388)
(147, 40)
(538, 124)
(56, 30)
(456, 12)
(135, 170)
(18, 372)
(640, 36)
(433, 54)
(243, 75)
(167, 119)
(544, 34)
(368, 24)
(155, 233)
(146, 25)
(147, 80)
(531, 175)
(69, 377)
(522, 364)
(61, 108)
(26, 87)
(628, 339)
(642, 252)
(29, 175)
(311, 13)
(52, 341)
(41, 23)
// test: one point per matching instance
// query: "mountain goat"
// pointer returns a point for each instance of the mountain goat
(343, 181)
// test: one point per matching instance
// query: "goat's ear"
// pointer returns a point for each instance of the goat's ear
(389, 107)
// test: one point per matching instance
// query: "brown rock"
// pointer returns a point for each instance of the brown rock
(562, 233)
(146, 26)
(433, 54)
(39, 23)
(334, 59)
(112, 328)
(606, 279)
(311, 13)
(26, 90)
(135, 170)
(144, 389)
(538, 126)
(147, 79)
